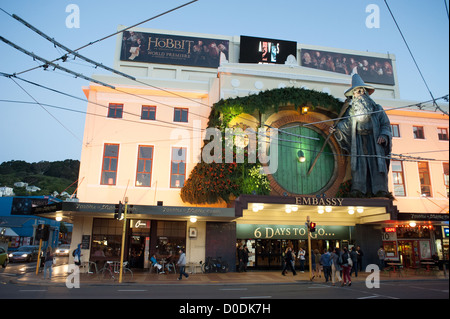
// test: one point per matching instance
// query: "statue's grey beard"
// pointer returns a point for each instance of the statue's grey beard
(360, 107)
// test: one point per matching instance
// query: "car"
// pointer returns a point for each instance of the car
(24, 253)
(62, 250)
(3, 257)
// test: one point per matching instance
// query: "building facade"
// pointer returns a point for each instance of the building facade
(144, 137)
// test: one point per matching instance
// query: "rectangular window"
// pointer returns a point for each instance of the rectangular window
(442, 134)
(110, 160)
(398, 178)
(418, 132)
(144, 166)
(425, 181)
(171, 236)
(115, 110)
(178, 167)
(395, 129)
(148, 112)
(445, 167)
(106, 239)
(180, 115)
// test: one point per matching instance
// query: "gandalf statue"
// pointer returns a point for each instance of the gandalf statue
(365, 133)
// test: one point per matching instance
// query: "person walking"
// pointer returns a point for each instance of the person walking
(48, 264)
(288, 262)
(318, 269)
(301, 258)
(381, 256)
(182, 264)
(325, 260)
(245, 258)
(335, 266)
(360, 256)
(77, 255)
(346, 266)
(241, 258)
(354, 257)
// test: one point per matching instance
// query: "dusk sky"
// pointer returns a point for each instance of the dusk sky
(31, 133)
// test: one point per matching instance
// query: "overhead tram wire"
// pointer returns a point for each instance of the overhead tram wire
(97, 64)
(414, 59)
(113, 34)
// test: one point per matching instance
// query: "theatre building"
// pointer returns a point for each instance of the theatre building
(146, 142)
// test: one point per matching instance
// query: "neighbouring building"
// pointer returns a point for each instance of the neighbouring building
(143, 142)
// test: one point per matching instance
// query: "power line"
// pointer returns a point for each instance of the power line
(113, 34)
(414, 59)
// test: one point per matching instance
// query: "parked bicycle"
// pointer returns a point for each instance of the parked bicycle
(214, 265)
(111, 270)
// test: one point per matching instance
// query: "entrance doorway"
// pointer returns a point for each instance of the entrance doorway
(139, 243)
(409, 252)
(265, 254)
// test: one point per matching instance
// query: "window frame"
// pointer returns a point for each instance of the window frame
(172, 161)
(442, 135)
(149, 112)
(114, 109)
(421, 173)
(145, 159)
(109, 170)
(419, 129)
(399, 175)
(397, 126)
(180, 109)
(446, 176)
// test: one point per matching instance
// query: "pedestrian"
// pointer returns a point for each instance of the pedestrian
(346, 266)
(354, 257)
(288, 262)
(48, 264)
(245, 259)
(241, 258)
(318, 264)
(381, 256)
(360, 255)
(77, 255)
(313, 265)
(336, 259)
(325, 260)
(182, 264)
(301, 258)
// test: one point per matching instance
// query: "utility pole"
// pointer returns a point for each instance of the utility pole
(309, 246)
(124, 230)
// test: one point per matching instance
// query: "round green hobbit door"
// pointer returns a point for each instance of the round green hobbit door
(297, 148)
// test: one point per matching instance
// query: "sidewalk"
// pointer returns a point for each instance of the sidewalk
(141, 277)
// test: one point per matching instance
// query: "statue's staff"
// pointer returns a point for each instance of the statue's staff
(341, 114)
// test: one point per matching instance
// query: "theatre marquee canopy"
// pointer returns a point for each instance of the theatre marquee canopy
(291, 210)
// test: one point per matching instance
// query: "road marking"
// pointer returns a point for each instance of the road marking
(368, 297)
(131, 290)
(33, 290)
(256, 297)
(233, 289)
(319, 286)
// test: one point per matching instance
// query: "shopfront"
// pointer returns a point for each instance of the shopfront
(267, 243)
(269, 224)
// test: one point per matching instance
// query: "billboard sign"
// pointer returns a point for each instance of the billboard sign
(261, 50)
(173, 49)
(371, 69)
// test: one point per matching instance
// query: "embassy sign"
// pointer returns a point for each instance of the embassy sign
(322, 201)
(173, 49)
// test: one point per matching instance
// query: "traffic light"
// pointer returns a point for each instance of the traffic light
(42, 232)
(118, 211)
(312, 227)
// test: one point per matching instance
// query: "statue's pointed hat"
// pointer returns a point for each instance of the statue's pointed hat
(356, 83)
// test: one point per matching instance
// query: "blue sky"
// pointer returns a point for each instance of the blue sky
(30, 133)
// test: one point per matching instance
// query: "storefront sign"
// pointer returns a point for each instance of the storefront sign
(254, 231)
(173, 49)
(314, 201)
(423, 217)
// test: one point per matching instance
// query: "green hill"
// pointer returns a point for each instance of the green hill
(48, 176)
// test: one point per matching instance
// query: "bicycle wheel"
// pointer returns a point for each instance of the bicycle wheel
(206, 268)
(106, 274)
(127, 275)
(223, 267)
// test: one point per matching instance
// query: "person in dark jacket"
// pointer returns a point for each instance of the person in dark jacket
(48, 264)
(288, 262)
